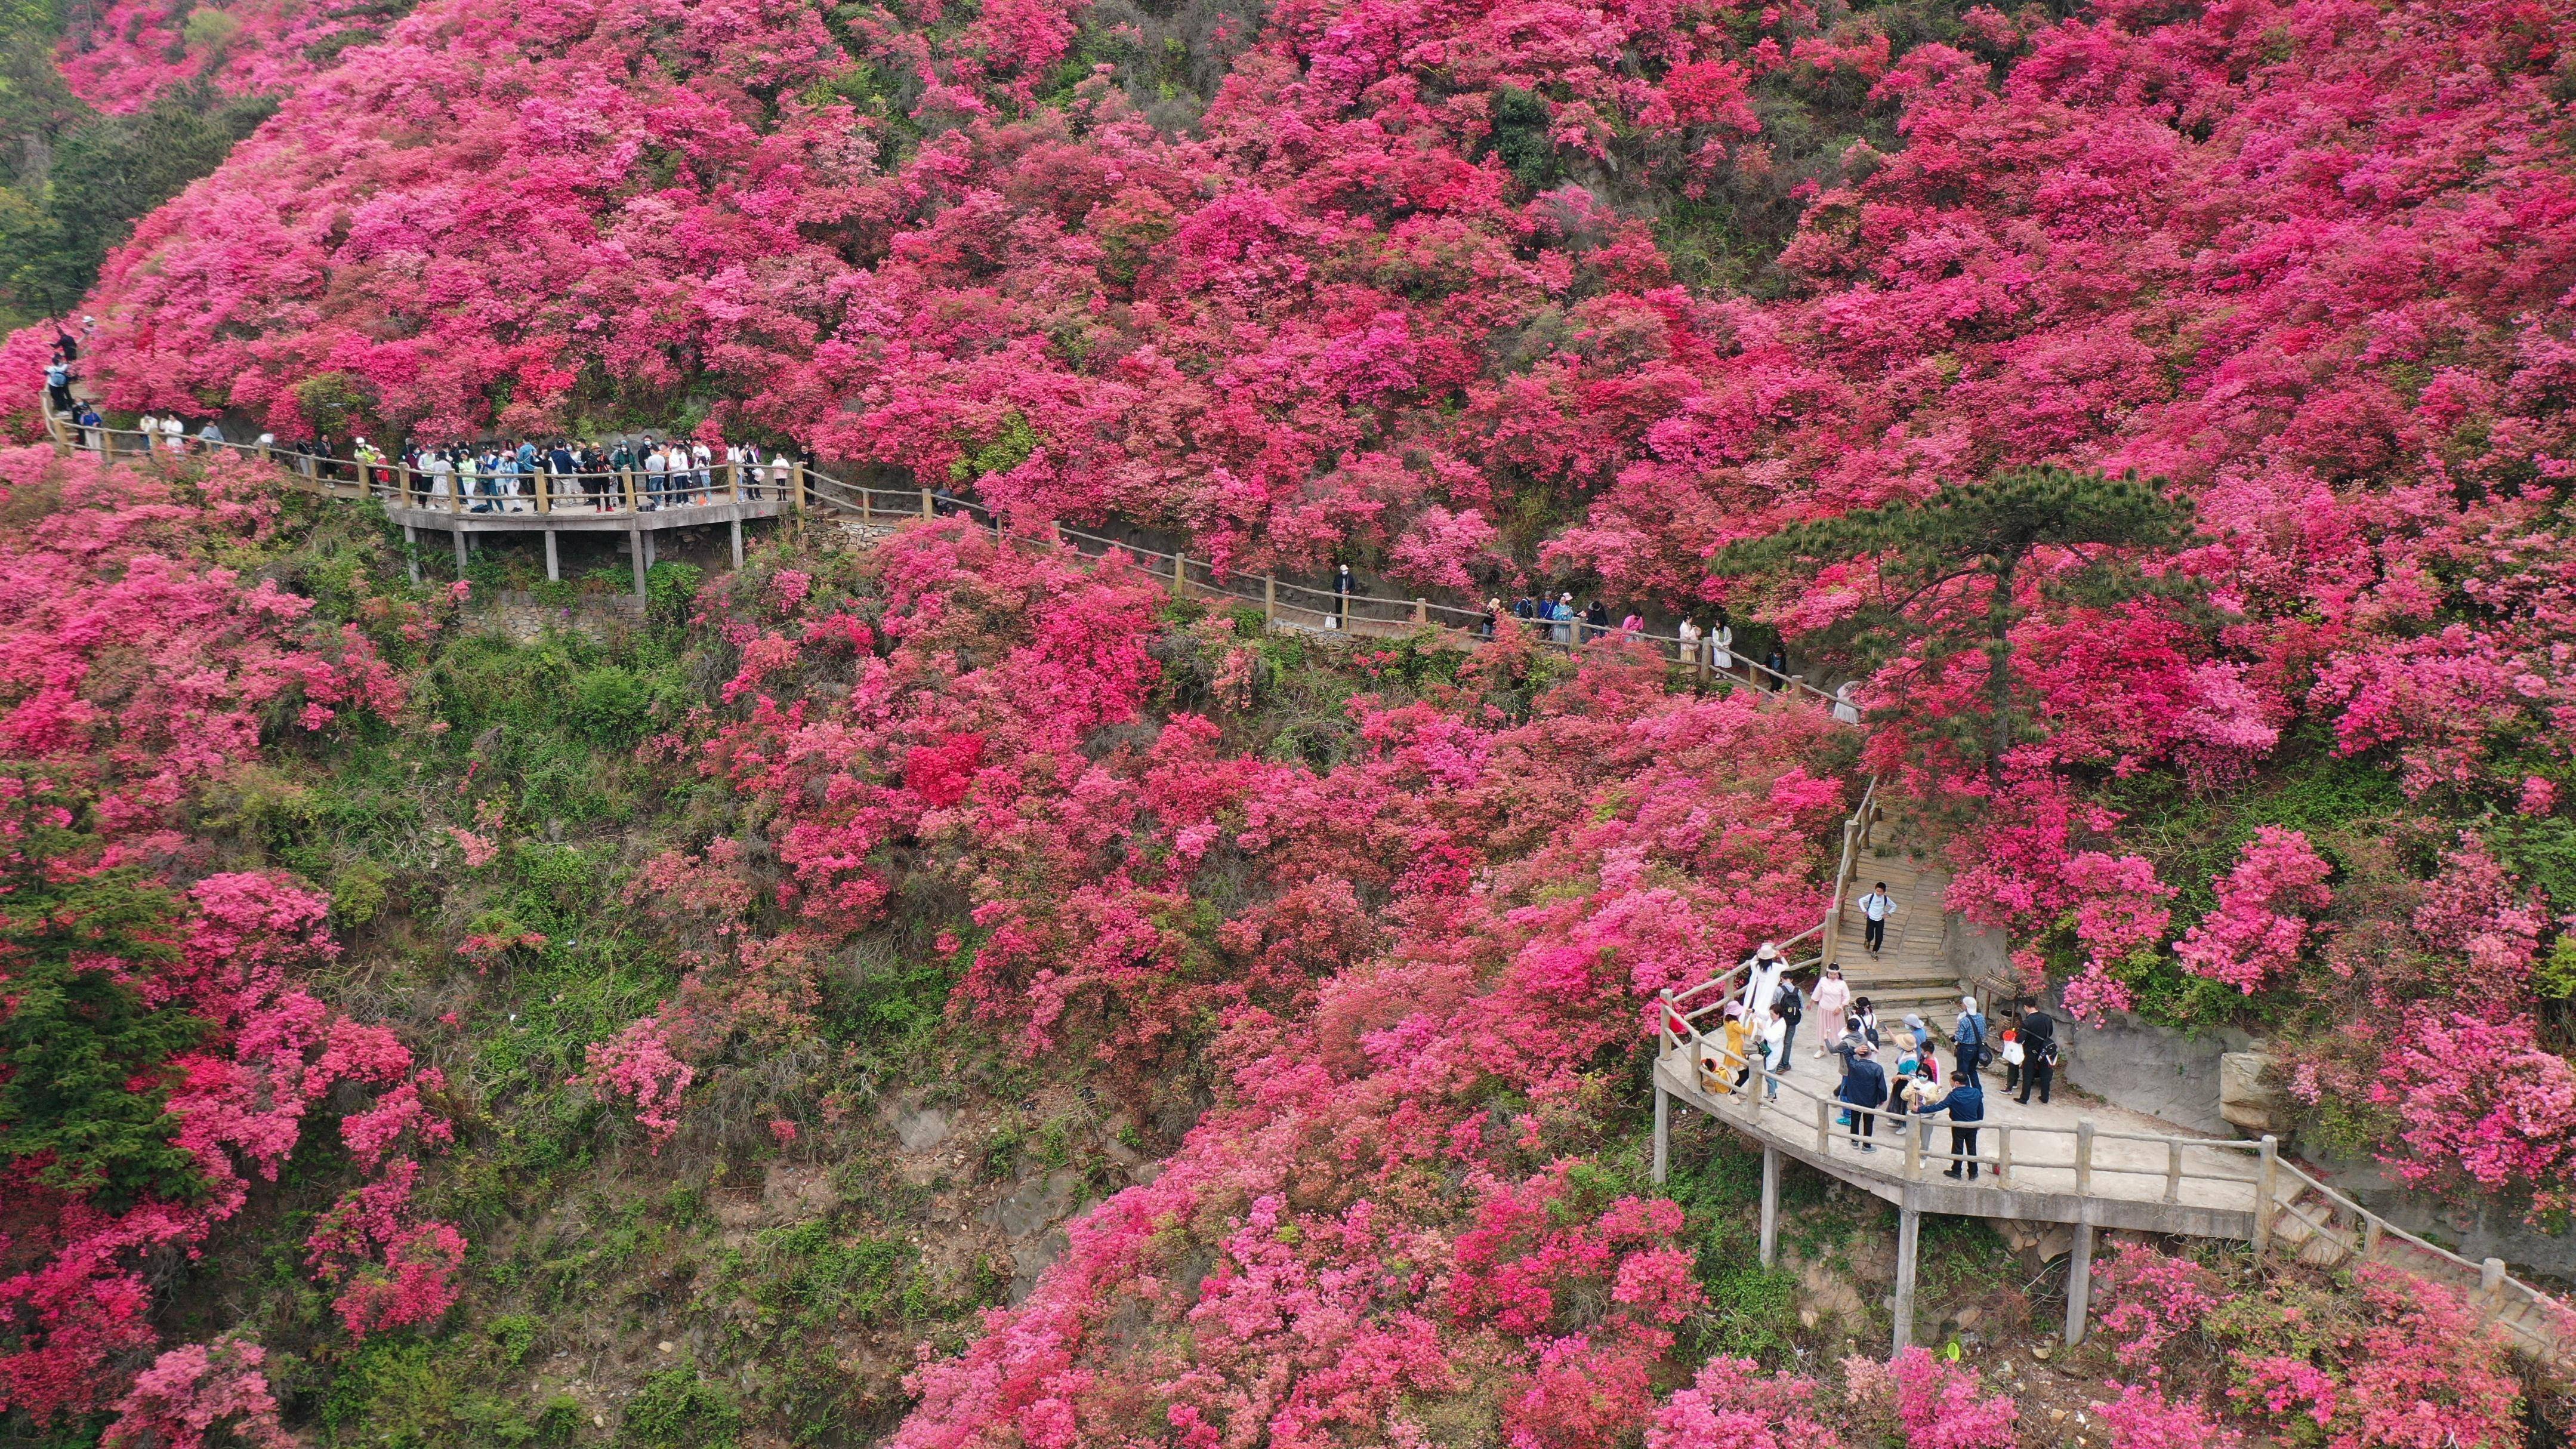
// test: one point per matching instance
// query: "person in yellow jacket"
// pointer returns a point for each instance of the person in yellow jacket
(1722, 1070)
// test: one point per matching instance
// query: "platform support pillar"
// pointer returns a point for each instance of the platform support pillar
(1770, 1206)
(2079, 1284)
(737, 543)
(1909, 1237)
(1663, 1136)
(554, 567)
(635, 553)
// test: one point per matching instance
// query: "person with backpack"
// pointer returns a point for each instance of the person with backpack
(1791, 1003)
(2038, 1053)
(1875, 908)
(1968, 1034)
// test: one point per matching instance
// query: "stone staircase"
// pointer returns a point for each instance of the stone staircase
(1912, 972)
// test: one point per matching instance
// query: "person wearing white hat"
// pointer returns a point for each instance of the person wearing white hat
(1761, 979)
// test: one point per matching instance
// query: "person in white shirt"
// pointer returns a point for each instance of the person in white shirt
(1761, 981)
(1775, 1049)
(1875, 909)
(657, 474)
(705, 458)
(1847, 703)
(781, 472)
(442, 473)
(1686, 637)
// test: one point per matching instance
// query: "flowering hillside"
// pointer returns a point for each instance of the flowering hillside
(1476, 297)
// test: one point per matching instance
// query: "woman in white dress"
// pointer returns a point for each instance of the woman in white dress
(1686, 642)
(442, 476)
(1721, 649)
(1847, 702)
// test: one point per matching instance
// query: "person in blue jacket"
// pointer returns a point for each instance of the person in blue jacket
(1864, 1086)
(1966, 1105)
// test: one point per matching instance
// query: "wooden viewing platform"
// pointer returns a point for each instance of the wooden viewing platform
(2089, 1166)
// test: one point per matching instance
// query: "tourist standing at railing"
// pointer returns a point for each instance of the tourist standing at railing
(1762, 976)
(1847, 703)
(1491, 620)
(440, 470)
(705, 459)
(564, 470)
(782, 472)
(657, 473)
(1778, 664)
(93, 429)
(1966, 1104)
(1343, 587)
(1596, 621)
(1686, 641)
(1775, 1049)
(58, 386)
(1915, 1088)
(1721, 641)
(1562, 629)
(211, 435)
(1632, 628)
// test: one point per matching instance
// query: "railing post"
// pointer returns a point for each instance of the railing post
(2369, 1235)
(2173, 1170)
(1421, 611)
(867, 505)
(796, 481)
(925, 503)
(546, 495)
(2084, 1157)
(1180, 573)
(2266, 1183)
(2003, 1154)
(2491, 1284)
(1269, 596)
(626, 482)
(1913, 1149)
(402, 481)
(1663, 1133)
(1824, 1126)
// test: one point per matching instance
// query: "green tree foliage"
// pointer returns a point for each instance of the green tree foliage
(81, 179)
(1949, 569)
(76, 1035)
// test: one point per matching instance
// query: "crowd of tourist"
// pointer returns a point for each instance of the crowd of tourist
(1760, 1029)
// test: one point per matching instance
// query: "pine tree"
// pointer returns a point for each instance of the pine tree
(1949, 569)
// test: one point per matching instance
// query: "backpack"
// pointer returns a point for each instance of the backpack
(2048, 1051)
(1793, 1003)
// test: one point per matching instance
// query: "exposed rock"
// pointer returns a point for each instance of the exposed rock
(919, 1128)
(1027, 1263)
(2244, 1100)
(1036, 1204)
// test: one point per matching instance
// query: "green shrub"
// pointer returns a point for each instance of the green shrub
(678, 1409)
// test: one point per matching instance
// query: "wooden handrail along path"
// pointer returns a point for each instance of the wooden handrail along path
(639, 504)
(2096, 1167)
(2101, 1167)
